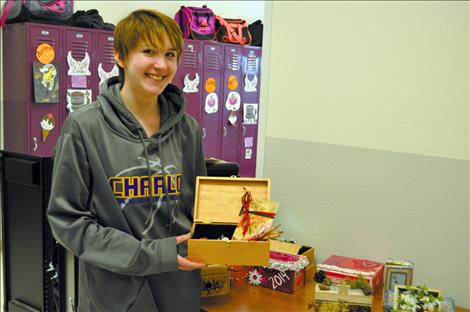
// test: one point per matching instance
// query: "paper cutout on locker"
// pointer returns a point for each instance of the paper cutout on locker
(233, 101)
(45, 83)
(77, 98)
(211, 85)
(78, 81)
(250, 85)
(248, 153)
(105, 75)
(232, 118)
(212, 103)
(191, 86)
(248, 142)
(47, 125)
(232, 83)
(250, 113)
(78, 67)
(45, 53)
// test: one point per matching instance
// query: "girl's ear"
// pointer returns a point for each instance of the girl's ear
(118, 59)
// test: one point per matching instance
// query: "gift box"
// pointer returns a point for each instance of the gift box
(297, 249)
(286, 272)
(217, 209)
(215, 280)
(338, 268)
(340, 297)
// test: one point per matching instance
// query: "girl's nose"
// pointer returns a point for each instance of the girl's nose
(159, 62)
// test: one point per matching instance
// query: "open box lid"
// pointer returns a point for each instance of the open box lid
(218, 199)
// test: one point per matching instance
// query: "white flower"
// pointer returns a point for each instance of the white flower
(254, 277)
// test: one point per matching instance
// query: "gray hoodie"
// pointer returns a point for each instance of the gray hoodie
(119, 198)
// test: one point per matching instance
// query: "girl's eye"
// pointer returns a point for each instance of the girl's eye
(148, 51)
(171, 54)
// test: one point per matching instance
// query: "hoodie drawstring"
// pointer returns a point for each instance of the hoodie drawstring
(154, 208)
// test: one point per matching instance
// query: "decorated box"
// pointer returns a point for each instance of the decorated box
(338, 268)
(286, 272)
(215, 280)
(217, 209)
(297, 249)
(340, 297)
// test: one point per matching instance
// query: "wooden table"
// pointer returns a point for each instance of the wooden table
(248, 298)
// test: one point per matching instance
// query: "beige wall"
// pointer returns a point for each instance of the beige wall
(388, 75)
(367, 139)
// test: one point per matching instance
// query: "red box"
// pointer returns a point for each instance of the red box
(286, 272)
(338, 268)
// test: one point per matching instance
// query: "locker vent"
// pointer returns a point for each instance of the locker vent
(232, 61)
(212, 60)
(108, 52)
(78, 49)
(252, 63)
(189, 59)
(50, 41)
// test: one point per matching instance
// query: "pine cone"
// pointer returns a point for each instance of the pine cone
(319, 276)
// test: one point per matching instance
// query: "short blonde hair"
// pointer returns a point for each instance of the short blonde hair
(148, 27)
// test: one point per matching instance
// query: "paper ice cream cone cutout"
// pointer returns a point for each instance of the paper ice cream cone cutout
(45, 134)
(47, 124)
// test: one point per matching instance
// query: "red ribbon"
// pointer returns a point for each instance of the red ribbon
(246, 201)
(245, 221)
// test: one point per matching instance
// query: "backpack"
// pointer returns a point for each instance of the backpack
(53, 11)
(256, 31)
(233, 31)
(196, 23)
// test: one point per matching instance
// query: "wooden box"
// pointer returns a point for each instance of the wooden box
(216, 214)
(341, 298)
(215, 280)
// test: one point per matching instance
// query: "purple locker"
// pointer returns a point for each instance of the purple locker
(231, 103)
(211, 101)
(104, 65)
(250, 99)
(22, 115)
(188, 77)
(79, 61)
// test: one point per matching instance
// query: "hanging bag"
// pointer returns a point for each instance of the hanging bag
(196, 23)
(256, 31)
(232, 31)
(47, 11)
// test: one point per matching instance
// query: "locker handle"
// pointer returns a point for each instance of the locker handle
(35, 144)
(243, 130)
(225, 131)
(204, 133)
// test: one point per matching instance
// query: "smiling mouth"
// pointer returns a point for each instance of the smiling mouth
(155, 77)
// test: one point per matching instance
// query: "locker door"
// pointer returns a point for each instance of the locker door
(189, 77)
(211, 101)
(78, 64)
(250, 96)
(231, 103)
(45, 118)
(104, 55)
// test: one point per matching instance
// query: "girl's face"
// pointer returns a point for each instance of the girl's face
(148, 70)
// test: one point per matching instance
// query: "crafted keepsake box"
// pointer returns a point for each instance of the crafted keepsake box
(286, 272)
(341, 298)
(217, 209)
(215, 280)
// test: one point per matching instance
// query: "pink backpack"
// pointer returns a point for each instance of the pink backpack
(196, 23)
(55, 11)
